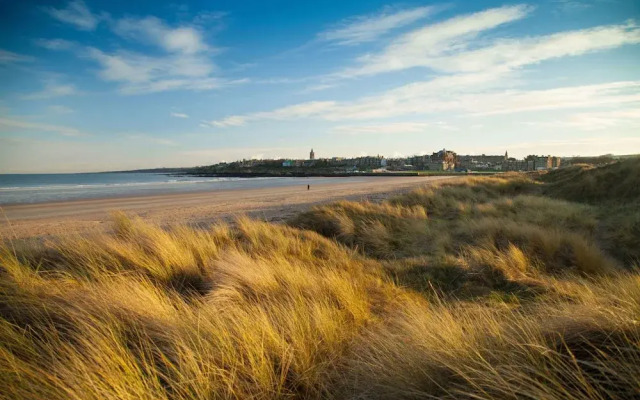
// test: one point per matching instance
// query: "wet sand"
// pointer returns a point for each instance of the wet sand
(272, 204)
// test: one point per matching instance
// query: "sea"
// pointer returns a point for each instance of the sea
(36, 188)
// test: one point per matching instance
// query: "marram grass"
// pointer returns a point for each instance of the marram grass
(482, 289)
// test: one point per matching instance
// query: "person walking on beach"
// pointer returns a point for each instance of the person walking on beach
(308, 187)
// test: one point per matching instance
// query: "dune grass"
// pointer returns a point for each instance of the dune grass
(483, 288)
(618, 181)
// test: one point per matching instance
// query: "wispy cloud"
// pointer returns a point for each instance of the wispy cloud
(308, 109)
(183, 39)
(138, 73)
(55, 44)
(186, 64)
(75, 13)
(179, 115)
(513, 53)
(367, 28)
(413, 100)
(9, 57)
(420, 46)
(51, 90)
(452, 46)
(9, 124)
(468, 94)
(318, 87)
(479, 73)
(437, 94)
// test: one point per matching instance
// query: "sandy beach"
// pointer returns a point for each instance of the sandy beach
(273, 204)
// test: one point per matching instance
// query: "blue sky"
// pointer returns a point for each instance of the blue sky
(108, 85)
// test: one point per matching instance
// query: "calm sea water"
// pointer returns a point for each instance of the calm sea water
(34, 188)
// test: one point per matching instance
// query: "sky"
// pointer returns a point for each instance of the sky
(100, 85)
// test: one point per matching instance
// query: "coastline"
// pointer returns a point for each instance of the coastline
(50, 219)
(310, 174)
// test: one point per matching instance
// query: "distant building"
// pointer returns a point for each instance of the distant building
(337, 161)
(483, 162)
(540, 163)
(531, 163)
(418, 162)
(312, 155)
(369, 162)
(516, 165)
(443, 160)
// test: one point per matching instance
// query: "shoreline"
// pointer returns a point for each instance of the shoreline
(168, 192)
(51, 219)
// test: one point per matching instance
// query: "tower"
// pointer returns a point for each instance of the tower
(506, 155)
(312, 155)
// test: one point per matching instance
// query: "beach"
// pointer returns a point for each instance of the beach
(49, 219)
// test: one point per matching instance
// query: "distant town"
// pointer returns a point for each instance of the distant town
(443, 161)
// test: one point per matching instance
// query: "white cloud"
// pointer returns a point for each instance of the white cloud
(436, 94)
(421, 98)
(369, 27)
(184, 39)
(55, 44)
(453, 45)
(9, 124)
(513, 53)
(234, 120)
(318, 87)
(125, 67)
(309, 109)
(187, 64)
(9, 57)
(179, 115)
(139, 73)
(418, 47)
(76, 13)
(298, 110)
(466, 94)
(51, 90)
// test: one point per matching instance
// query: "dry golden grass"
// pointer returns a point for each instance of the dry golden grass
(259, 311)
(482, 289)
(618, 182)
